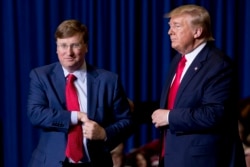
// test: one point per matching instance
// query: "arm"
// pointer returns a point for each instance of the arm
(44, 108)
(205, 102)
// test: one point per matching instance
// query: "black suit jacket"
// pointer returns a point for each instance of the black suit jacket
(202, 127)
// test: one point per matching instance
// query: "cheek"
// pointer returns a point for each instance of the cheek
(80, 53)
(58, 52)
(60, 55)
(185, 37)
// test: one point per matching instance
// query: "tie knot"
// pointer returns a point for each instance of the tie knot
(183, 58)
(182, 61)
(71, 78)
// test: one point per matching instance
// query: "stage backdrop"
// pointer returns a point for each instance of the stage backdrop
(128, 37)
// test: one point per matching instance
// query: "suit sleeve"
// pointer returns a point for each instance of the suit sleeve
(44, 109)
(121, 128)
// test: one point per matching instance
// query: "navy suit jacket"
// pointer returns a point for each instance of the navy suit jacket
(202, 130)
(107, 105)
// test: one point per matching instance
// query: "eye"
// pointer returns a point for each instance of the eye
(76, 45)
(177, 25)
(64, 46)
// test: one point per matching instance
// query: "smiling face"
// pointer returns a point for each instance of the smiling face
(71, 52)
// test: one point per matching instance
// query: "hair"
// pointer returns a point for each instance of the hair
(69, 28)
(244, 119)
(199, 15)
(145, 156)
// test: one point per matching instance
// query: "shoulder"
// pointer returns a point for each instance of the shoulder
(100, 72)
(47, 71)
(216, 55)
(46, 68)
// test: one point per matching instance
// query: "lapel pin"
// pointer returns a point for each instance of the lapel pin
(195, 68)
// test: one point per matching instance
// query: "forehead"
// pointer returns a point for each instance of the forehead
(180, 19)
(73, 39)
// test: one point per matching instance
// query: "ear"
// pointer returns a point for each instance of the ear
(198, 32)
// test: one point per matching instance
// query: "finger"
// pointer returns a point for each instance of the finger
(153, 120)
(84, 118)
(85, 132)
(156, 125)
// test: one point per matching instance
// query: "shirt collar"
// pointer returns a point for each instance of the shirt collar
(80, 73)
(190, 56)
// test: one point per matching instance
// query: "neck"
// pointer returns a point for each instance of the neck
(197, 43)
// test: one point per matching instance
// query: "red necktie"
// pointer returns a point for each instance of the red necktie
(74, 149)
(175, 85)
(173, 91)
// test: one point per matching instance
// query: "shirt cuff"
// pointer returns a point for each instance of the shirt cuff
(168, 117)
(74, 120)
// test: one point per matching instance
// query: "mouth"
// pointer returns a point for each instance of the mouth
(172, 39)
(69, 58)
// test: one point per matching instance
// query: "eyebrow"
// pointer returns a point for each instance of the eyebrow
(174, 23)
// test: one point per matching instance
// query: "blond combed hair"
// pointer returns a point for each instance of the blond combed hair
(199, 15)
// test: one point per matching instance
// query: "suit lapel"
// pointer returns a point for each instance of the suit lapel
(192, 70)
(92, 89)
(58, 81)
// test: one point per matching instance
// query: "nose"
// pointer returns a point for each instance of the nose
(170, 31)
(69, 50)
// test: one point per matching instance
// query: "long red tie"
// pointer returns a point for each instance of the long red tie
(74, 149)
(173, 91)
(175, 85)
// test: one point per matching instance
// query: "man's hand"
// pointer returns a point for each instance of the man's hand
(160, 117)
(93, 131)
(81, 116)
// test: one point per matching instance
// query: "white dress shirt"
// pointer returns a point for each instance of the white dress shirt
(81, 86)
(189, 57)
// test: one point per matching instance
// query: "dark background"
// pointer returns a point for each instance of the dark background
(128, 37)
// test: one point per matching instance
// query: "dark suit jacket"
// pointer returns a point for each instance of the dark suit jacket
(107, 105)
(202, 129)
